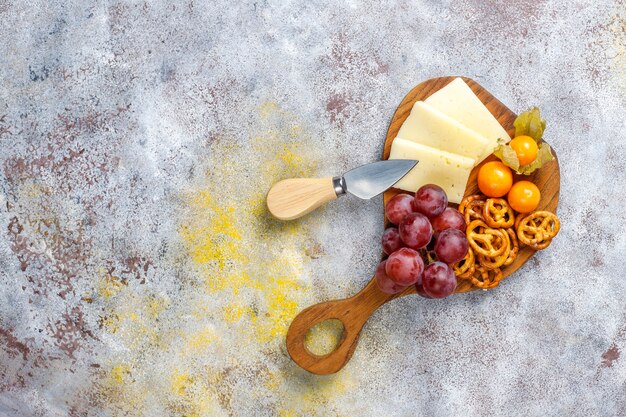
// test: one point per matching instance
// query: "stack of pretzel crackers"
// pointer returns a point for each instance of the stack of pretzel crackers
(495, 234)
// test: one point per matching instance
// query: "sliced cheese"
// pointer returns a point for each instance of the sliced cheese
(458, 101)
(428, 126)
(447, 170)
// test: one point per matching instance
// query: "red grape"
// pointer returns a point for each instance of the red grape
(416, 231)
(449, 219)
(451, 246)
(398, 207)
(391, 240)
(386, 284)
(404, 266)
(430, 200)
(419, 288)
(438, 280)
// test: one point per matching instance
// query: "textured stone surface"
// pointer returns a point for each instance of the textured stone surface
(141, 276)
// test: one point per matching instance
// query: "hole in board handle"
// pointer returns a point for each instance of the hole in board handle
(324, 337)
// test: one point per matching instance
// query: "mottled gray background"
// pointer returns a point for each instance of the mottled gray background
(141, 276)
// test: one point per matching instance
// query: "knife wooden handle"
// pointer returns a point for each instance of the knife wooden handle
(295, 197)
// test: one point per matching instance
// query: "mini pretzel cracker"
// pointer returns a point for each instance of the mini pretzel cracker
(471, 207)
(465, 267)
(533, 222)
(486, 241)
(514, 247)
(495, 234)
(495, 262)
(518, 219)
(486, 279)
(542, 245)
(469, 199)
(538, 228)
(497, 213)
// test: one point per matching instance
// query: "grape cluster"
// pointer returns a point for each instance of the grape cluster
(423, 221)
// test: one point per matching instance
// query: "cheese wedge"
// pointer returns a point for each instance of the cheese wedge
(428, 126)
(458, 101)
(447, 170)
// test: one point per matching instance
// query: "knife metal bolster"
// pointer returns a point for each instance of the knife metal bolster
(339, 185)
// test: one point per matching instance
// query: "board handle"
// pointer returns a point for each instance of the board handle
(352, 312)
(295, 197)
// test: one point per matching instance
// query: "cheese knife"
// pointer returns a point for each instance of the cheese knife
(294, 197)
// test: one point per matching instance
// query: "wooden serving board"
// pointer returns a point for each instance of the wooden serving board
(353, 312)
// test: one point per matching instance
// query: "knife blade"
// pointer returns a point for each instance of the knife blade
(294, 197)
(368, 181)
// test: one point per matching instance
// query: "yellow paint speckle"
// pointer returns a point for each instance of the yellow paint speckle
(235, 311)
(180, 382)
(247, 276)
(242, 251)
(201, 339)
(120, 373)
(109, 286)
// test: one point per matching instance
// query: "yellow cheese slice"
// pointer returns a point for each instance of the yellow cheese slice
(447, 170)
(458, 101)
(428, 126)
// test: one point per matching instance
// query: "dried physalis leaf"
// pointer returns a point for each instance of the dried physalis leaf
(508, 156)
(530, 123)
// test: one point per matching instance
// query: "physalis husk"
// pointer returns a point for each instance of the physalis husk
(531, 124)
